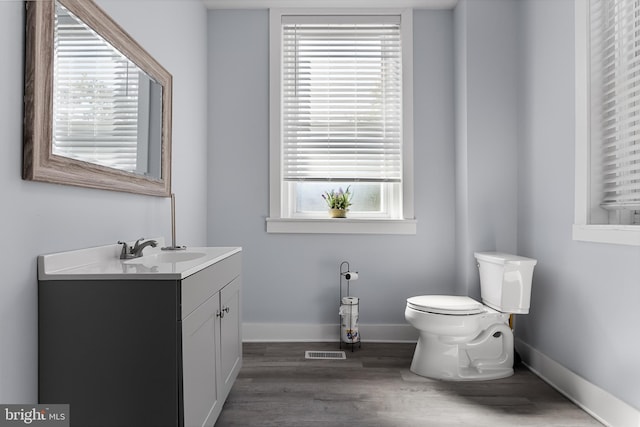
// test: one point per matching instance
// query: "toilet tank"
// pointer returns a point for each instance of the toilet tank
(505, 281)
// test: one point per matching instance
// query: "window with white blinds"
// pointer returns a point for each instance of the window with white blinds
(95, 97)
(341, 98)
(341, 116)
(615, 103)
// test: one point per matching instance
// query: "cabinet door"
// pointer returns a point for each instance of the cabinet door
(199, 346)
(230, 336)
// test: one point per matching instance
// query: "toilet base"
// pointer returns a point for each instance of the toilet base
(488, 356)
(466, 374)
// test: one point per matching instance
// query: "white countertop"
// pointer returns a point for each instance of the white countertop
(104, 263)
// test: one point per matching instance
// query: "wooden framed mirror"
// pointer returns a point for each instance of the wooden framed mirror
(97, 105)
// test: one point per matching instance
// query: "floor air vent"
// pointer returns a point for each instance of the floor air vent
(326, 355)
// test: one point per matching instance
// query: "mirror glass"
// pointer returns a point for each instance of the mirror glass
(106, 110)
(97, 105)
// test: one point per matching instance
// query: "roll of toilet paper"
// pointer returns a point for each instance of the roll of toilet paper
(350, 300)
(351, 275)
(348, 310)
(350, 335)
(349, 306)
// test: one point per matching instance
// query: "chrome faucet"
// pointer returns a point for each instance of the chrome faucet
(136, 250)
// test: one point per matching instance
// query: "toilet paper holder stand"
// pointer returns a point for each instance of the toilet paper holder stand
(346, 276)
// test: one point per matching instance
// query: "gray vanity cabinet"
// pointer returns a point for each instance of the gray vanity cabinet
(141, 352)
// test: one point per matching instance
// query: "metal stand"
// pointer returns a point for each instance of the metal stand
(344, 269)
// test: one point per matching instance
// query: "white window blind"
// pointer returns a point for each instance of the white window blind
(341, 98)
(95, 97)
(615, 101)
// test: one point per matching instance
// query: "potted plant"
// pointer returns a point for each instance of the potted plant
(338, 202)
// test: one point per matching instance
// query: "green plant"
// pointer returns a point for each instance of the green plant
(338, 200)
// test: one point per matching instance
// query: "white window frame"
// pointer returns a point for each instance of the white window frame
(276, 223)
(583, 229)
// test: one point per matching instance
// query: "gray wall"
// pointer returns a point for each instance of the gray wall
(293, 279)
(584, 307)
(37, 218)
(486, 134)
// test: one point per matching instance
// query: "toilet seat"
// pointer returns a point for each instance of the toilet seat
(446, 304)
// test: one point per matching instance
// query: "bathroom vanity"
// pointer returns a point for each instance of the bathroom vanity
(152, 341)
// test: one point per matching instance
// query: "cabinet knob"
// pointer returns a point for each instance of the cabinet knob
(225, 309)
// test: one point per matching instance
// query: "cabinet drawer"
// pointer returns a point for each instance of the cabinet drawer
(201, 286)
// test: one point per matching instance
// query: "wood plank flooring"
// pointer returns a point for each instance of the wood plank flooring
(373, 387)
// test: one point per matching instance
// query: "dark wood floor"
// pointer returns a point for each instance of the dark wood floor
(374, 387)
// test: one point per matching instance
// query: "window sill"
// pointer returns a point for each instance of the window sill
(342, 226)
(615, 234)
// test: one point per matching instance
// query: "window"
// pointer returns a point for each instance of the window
(608, 121)
(341, 112)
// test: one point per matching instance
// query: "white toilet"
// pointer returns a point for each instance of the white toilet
(462, 339)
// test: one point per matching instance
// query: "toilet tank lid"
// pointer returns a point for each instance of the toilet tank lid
(503, 258)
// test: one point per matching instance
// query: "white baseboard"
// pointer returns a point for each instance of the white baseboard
(295, 332)
(599, 403)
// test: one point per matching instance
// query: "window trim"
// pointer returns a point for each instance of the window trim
(341, 226)
(583, 230)
(275, 222)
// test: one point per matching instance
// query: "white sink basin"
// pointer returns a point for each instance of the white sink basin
(166, 257)
(104, 263)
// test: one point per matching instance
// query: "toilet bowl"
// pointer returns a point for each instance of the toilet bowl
(461, 339)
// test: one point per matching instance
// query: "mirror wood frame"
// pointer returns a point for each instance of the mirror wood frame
(39, 162)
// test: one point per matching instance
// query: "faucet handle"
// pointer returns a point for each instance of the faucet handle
(125, 250)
